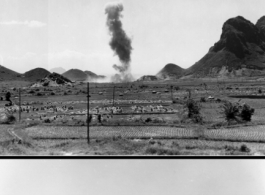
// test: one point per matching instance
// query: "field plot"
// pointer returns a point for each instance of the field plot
(57, 120)
(247, 134)
(143, 140)
(108, 131)
(4, 134)
(251, 134)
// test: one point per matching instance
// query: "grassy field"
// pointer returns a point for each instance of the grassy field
(62, 128)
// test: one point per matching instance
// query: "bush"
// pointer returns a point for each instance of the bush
(230, 110)
(235, 111)
(194, 109)
(160, 150)
(148, 120)
(47, 120)
(7, 118)
(247, 112)
(203, 99)
(174, 101)
(244, 148)
(39, 94)
(90, 118)
(177, 88)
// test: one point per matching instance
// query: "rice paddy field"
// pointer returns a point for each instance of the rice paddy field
(139, 118)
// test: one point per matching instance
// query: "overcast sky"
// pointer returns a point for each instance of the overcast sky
(73, 33)
(132, 177)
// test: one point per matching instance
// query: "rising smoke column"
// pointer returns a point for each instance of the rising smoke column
(120, 43)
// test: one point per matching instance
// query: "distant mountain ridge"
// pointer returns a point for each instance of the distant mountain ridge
(240, 51)
(39, 73)
(93, 76)
(58, 70)
(7, 74)
(170, 71)
(75, 75)
(35, 74)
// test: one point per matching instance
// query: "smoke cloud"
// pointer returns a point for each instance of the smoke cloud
(120, 43)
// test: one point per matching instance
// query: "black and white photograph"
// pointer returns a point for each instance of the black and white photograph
(132, 177)
(132, 78)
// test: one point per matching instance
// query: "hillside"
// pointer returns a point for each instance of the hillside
(52, 80)
(58, 70)
(92, 76)
(35, 74)
(239, 52)
(170, 71)
(7, 74)
(75, 75)
(148, 78)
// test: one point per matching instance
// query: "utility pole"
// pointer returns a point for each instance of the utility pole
(113, 95)
(171, 92)
(19, 104)
(88, 138)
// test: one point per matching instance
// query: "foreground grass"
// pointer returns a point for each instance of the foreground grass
(117, 145)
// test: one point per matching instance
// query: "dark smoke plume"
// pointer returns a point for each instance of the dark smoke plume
(120, 43)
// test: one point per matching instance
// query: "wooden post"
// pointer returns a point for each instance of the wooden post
(88, 137)
(113, 96)
(171, 92)
(19, 104)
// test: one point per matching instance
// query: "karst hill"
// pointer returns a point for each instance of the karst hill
(239, 52)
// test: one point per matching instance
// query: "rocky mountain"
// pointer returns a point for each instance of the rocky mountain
(35, 74)
(58, 70)
(170, 71)
(7, 74)
(53, 80)
(239, 52)
(75, 75)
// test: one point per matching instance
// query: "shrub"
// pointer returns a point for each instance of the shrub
(47, 120)
(194, 109)
(89, 118)
(230, 110)
(7, 118)
(177, 88)
(218, 100)
(148, 120)
(247, 112)
(160, 150)
(39, 94)
(244, 148)
(197, 118)
(203, 99)
(235, 111)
